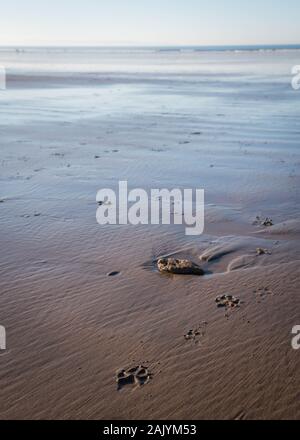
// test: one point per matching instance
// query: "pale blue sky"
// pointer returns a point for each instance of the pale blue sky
(186, 22)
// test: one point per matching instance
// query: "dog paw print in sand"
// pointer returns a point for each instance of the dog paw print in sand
(136, 376)
(261, 251)
(228, 302)
(262, 293)
(263, 222)
(198, 334)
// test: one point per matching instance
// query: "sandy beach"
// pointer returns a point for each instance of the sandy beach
(72, 122)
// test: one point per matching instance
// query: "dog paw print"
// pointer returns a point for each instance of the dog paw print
(263, 222)
(228, 302)
(261, 251)
(262, 292)
(137, 376)
(196, 335)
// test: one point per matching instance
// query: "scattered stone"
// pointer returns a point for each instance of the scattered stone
(111, 151)
(157, 150)
(58, 154)
(179, 267)
(101, 203)
(228, 301)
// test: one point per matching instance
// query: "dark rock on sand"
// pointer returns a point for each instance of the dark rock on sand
(179, 267)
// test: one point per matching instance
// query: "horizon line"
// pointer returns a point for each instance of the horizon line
(108, 45)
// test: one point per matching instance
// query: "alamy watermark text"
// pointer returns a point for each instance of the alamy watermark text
(157, 206)
(2, 338)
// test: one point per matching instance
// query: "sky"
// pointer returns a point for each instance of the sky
(149, 22)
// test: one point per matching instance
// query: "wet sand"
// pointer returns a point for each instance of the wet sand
(71, 328)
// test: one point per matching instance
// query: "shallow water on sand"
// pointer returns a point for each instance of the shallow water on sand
(73, 123)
